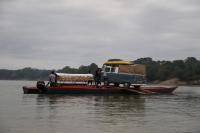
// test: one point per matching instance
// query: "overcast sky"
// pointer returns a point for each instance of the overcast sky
(50, 34)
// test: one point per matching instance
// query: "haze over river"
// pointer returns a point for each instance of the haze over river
(36, 113)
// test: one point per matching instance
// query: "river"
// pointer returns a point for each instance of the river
(36, 113)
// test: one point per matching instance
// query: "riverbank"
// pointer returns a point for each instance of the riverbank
(177, 82)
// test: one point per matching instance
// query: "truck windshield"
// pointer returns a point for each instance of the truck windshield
(107, 69)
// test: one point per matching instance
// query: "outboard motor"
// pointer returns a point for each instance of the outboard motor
(41, 86)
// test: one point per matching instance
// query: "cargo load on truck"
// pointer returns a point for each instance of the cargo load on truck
(132, 69)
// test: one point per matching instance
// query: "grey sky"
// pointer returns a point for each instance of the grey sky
(55, 33)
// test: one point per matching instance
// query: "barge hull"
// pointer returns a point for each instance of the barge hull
(98, 91)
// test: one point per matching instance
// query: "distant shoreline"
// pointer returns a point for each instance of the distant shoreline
(173, 72)
(177, 82)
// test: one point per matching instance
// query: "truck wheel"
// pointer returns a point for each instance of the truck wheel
(106, 83)
(127, 85)
(116, 84)
(137, 87)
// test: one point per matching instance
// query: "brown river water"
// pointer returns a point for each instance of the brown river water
(35, 113)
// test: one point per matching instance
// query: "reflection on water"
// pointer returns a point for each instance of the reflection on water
(106, 108)
(110, 102)
(91, 112)
(22, 113)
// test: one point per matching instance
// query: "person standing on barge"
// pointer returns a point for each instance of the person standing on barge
(53, 79)
(97, 77)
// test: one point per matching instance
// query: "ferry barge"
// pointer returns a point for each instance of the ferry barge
(117, 77)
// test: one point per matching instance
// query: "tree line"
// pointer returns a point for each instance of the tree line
(185, 70)
(37, 74)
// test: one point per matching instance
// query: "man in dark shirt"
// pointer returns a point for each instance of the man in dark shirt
(97, 77)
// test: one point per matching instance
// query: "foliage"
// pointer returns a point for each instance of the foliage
(185, 70)
(82, 69)
(36, 74)
(25, 73)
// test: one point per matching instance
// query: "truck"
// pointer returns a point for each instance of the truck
(123, 72)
